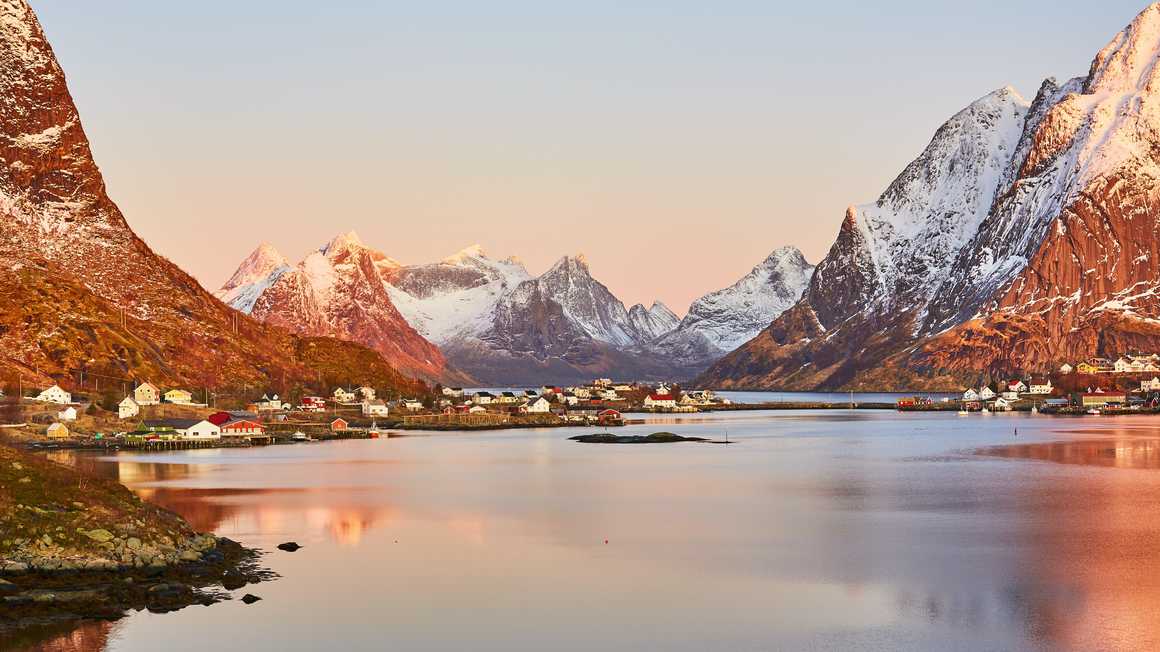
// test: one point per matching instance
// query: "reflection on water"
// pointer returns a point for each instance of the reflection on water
(826, 530)
(1120, 453)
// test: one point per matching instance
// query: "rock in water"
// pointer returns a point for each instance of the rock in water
(289, 546)
(250, 598)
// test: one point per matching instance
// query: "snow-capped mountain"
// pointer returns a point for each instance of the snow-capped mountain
(721, 321)
(338, 291)
(650, 323)
(455, 297)
(255, 275)
(1023, 237)
(81, 292)
(565, 326)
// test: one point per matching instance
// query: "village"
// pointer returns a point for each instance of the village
(149, 417)
(1130, 383)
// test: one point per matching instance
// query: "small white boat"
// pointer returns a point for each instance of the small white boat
(1094, 411)
(963, 413)
(1034, 409)
(299, 436)
(986, 411)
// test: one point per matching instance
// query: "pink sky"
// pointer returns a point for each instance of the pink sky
(673, 145)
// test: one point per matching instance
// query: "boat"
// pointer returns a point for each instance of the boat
(986, 411)
(1034, 409)
(299, 436)
(1094, 411)
(963, 413)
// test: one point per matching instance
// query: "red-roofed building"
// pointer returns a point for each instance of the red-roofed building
(242, 428)
(339, 425)
(660, 401)
(609, 416)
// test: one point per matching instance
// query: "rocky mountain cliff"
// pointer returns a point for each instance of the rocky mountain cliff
(82, 293)
(1023, 237)
(336, 291)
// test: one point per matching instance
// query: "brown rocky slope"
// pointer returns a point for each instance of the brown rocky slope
(82, 292)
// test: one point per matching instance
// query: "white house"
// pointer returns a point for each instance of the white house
(986, 393)
(1009, 395)
(970, 395)
(67, 414)
(660, 401)
(147, 394)
(202, 430)
(582, 392)
(540, 405)
(1017, 386)
(482, 398)
(1040, 386)
(1150, 385)
(128, 408)
(1003, 404)
(1066, 368)
(568, 398)
(343, 396)
(476, 409)
(55, 394)
(507, 397)
(271, 404)
(453, 392)
(366, 392)
(375, 408)
(411, 404)
(1123, 365)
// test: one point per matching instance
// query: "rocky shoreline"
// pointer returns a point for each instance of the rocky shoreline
(46, 590)
(75, 546)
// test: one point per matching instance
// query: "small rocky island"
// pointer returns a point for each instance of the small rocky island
(75, 546)
(655, 438)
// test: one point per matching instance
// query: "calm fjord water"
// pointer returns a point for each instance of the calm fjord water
(815, 530)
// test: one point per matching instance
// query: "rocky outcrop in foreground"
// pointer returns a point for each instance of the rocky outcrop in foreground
(77, 546)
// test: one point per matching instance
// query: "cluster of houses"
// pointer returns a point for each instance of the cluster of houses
(1125, 364)
(147, 394)
(1003, 395)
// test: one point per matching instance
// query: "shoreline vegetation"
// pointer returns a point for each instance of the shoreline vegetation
(75, 546)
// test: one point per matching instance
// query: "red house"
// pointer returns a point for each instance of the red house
(609, 416)
(243, 427)
(339, 425)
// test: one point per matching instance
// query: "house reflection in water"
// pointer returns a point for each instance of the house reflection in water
(1114, 452)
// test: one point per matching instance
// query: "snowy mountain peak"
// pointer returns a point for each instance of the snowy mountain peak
(474, 251)
(570, 265)
(651, 323)
(342, 242)
(1128, 62)
(253, 277)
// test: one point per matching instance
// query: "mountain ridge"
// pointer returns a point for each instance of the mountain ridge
(1060, 266)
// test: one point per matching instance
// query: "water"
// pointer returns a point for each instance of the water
(823, 530)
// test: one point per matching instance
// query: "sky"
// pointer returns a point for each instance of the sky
(675, 144)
